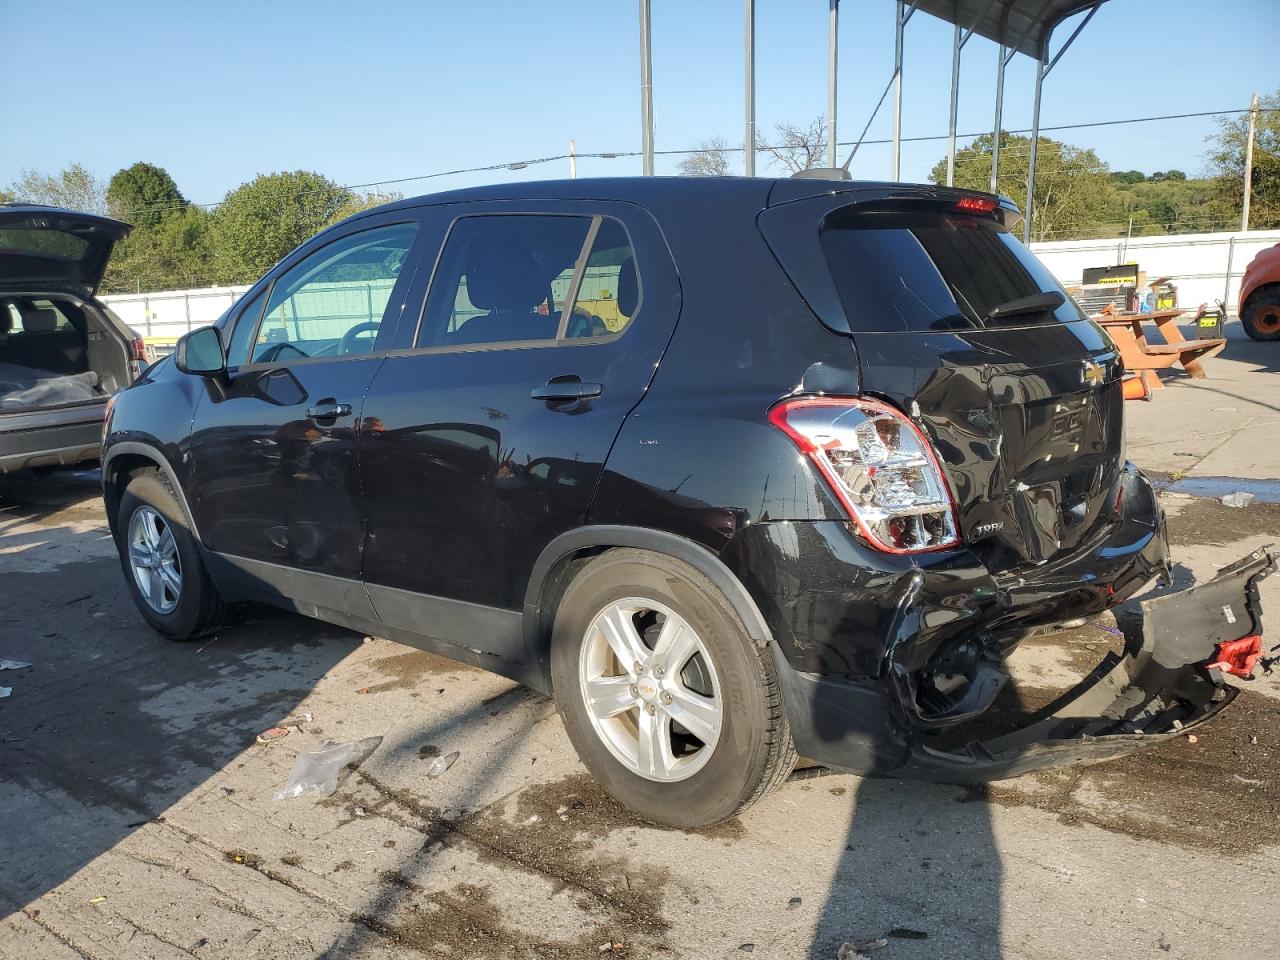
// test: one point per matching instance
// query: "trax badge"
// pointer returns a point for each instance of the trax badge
(987, 529)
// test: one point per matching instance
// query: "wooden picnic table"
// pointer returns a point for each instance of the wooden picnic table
(1145, 357)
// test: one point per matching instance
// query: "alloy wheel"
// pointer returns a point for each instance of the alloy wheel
(154, 560)
(651, 690)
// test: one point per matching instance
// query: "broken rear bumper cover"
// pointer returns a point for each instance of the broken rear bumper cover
(1169, 680)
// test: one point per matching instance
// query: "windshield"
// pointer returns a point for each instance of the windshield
(910, 271)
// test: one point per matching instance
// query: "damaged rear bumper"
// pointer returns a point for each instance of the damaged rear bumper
(1169, 680)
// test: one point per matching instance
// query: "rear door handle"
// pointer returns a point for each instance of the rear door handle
(564, 389)
(329, 410)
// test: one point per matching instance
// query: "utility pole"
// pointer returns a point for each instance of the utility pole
(646, 91)
(833, 53)
(749, 145)
(1248, 162)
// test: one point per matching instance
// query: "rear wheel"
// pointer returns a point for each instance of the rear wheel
(161, 562)
(1261, 315)
(668, 701)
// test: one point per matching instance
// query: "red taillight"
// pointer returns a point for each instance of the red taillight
(139, 349)
(880, 466)
(976, 204)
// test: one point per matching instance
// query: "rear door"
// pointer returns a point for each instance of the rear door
(1022, 402)
(483, 436)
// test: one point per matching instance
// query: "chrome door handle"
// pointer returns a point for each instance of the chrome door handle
(562, 389)
(329, 410)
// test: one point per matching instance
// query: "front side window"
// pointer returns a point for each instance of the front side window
(519, 279)
(332, 303)
(245, 327)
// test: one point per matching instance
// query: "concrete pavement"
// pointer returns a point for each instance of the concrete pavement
(137, 819)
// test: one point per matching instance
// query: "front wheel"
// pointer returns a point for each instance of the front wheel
(668, 701)
(1261, 315)
(161, 561)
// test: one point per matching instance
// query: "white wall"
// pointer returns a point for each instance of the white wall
(168, 314)
(1198, 262)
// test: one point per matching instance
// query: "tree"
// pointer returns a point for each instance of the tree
(1128, 177)
(796, 148)
(73, 187)
(172, 255)
(1160, 176)
(1226, 159)
(261, 221)
(1074, 195)
(710, 159)
(144, 195)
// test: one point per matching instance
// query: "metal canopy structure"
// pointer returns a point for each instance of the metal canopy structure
(1023, 26)
(1016, 26)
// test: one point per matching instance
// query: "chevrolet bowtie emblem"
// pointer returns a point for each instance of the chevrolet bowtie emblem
(1093, 374)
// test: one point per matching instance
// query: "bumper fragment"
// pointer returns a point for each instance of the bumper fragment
(1170, 680)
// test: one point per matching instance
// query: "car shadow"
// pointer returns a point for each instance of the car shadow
(111, 725)
(920, 868)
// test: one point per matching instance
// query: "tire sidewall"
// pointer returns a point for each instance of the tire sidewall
(1249, 320)
(732, 774)
(183, 621)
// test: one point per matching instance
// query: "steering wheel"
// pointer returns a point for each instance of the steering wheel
(350, 341)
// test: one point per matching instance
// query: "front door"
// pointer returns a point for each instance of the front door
(274, 448)
(487, 430)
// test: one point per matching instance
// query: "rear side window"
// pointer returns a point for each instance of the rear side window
(900, 272)
(530, 280)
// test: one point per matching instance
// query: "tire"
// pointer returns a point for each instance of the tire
(1261, 315)
(197, 609)
(752, 752)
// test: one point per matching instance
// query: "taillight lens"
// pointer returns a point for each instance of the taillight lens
(139, 349)
(879, 465)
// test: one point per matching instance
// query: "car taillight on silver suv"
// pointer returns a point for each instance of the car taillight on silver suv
(879, 465)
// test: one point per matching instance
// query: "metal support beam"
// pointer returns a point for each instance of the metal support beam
(1003, 62)
(960, 38)
(956, 44)
(1043, 67)
(833, 52)
(749, 144)
(1028, 210)
(904, 14)
(646, 91)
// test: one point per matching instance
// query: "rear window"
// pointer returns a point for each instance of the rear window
(44, 243)
(900, 272)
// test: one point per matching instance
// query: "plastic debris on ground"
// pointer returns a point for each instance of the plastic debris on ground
(1237, 499)
(13, 665)
(316, 774)
(440, 764)
(272, 735)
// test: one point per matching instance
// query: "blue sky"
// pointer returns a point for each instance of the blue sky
(219, 92)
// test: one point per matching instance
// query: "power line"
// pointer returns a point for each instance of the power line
(618, 154)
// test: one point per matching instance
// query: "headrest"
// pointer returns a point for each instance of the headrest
(40, 321)
(504, 276)
(628, 287)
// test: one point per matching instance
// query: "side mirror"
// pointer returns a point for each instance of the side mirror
(200, 353)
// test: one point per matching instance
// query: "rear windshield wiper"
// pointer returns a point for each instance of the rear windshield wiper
(1036, 303)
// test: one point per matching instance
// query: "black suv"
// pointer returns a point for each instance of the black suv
(739, 470)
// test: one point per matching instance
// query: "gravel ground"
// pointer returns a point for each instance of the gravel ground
(138, 818)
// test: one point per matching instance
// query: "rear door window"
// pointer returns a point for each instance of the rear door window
(530, 280)
(914, 271)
